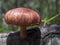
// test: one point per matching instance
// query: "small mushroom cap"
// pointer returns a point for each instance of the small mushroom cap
(22, 17)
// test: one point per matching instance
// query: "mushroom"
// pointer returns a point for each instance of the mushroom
(22, 17)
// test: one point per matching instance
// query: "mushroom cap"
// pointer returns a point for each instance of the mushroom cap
(22, 17)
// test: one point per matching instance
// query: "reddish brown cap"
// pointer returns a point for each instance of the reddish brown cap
(22, 17)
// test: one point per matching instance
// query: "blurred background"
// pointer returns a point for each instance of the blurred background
(48, 9)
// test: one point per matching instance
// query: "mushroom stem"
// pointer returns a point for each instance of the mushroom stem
(23, 32)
